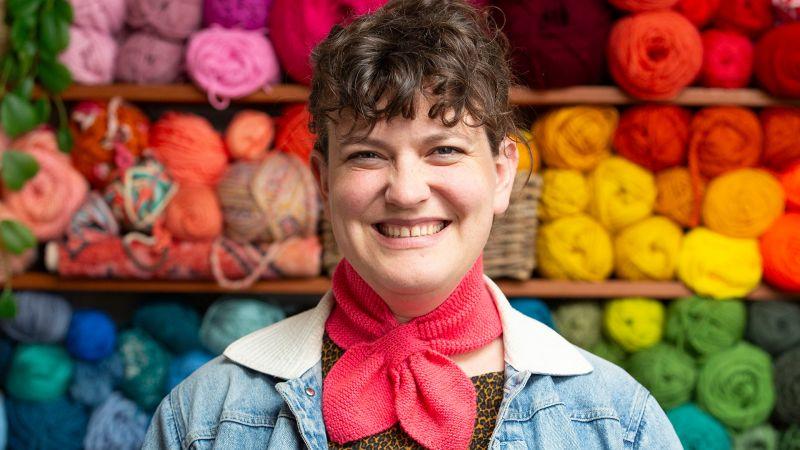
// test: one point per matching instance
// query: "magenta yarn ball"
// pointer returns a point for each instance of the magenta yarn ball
(145, 58)
(727, 59)
(246, 14)
(90, 56)
(171, 19)
(107, 16)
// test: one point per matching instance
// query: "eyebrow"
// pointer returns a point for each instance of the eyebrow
(427, 140)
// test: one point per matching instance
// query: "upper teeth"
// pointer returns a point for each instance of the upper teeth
(416, 230)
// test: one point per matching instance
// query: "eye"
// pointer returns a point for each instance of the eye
(363, 155)
(446, 151)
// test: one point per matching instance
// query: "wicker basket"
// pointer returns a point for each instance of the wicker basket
(510, 251)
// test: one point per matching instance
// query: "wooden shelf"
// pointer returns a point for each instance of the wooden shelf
(288, 93)
(317, 286)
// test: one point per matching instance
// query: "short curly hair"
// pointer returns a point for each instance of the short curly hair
(375, 67)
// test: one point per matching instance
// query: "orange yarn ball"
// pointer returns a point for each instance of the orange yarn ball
(653, 136)
(653, 55)
(249, 135)
(781, 136)
(190, 148)
(293, 135)
(194, 213)
(790, 180)
(724, 138)
(780, 252)
(676, 197)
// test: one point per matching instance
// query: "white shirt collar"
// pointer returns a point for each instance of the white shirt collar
(290, 347)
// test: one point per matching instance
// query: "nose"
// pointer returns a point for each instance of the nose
(408, 184)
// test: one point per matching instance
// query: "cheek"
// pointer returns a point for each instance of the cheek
(353, 192)
(470, 192)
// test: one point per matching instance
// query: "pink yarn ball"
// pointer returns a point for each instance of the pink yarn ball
(246, 14)
(106, 16)
(230, 63)
(727, 59)
(90, 56)
(172, 19)
(145, 58)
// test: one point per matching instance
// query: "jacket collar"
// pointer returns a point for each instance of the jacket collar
(290, 347)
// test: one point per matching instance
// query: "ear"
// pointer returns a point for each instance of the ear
(505, 165)
(319, 167)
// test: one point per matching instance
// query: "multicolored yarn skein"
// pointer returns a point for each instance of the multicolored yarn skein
(146, 58)
(138, 199)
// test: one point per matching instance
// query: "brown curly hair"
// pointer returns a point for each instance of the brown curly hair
(375, 67)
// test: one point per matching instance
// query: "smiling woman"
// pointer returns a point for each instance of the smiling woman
(413, 347)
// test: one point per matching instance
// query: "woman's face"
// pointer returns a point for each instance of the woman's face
(412, 204)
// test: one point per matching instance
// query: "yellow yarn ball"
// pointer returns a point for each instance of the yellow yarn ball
(528, 155)
(634, 323)
(622, 193)
(574, 248)
(719, 266)
(648, 250)
(564, 193)
(576, 137)
(743, 203)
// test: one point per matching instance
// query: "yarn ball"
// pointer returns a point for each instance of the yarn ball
(139, 198)
(3, 419)
(698, 430)
(735, 386)
(774, 325)
(90, 56)
(228, 320)
(565, 192)
(724, 138)
(648, 250)
(292, 134)
(610, 351)
(92, 335)
(172, 19)
(653, 55)
(790, 181)
(574, 248)
(635, 323)
(146, 58)
(249, 135)
(48, 200)
(116, 424)
(699, 12)
(41, 317)
(93, 382)
(189, 147)
(790, 438)
(6, 354)
(535, 309)
(715, 265)
(763, 437)
(653, 136)
(676, 198)
(705, 326)
(642, 5)
(172, 324)
(576, 137)
(667, 372)
(777, 59)
(105, 16)
(109, 137)
(787, 384)
(727, 59)
(269, 201)
(231, 63)
(529, 159)
(297, 26)
(184, 365)
(743, 203)
(39, 372)
(145, 368)
(579, 323)
(556, 43)
(781, 140)
(194, 214)
(749, 17)
(623, 193)
(779, 250)
(58, 424)
(246, 14)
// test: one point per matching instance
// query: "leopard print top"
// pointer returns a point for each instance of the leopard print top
(489, 388)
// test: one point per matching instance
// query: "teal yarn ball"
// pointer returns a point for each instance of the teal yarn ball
(39, 372)
(762, 437)
(145, 365)
(697, 430)
(667, 372)
(184, 365)
(228, 320)
(3, 422)
(173, 325)
(535, 309)
(53, 425)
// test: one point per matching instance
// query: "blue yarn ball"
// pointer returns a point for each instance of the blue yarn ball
(174, 325)
(92, 383)
(6, 353)
(117, 424)
(184, 365)
(697, 429)
(92, 335)
(535, 309)
(228, 320)
(54, 425)
(41, 318)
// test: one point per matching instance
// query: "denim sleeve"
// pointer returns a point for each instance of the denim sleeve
(163, 431)
(655, 430)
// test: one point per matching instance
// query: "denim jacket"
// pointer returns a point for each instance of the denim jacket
(265, 393)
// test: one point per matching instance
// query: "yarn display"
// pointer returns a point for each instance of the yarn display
(574, 248)
(535, 309)
(779, 252)
(566, 46)
(172, 324)
(623, 193)
(735, 386)
(699, 12)
(564, 193)
(642, 5)
(727, 59)
(231, 63)
(743, 203)
(90, 56)
(763, 437)
(39, 372)
(172, 19)
(292, 134)
(138, 199)
(653, 55)
(228, 320)
(246, 14)
(774, 325)
(190, 148)
(676, 197)
(146, 58)
(146, 364)
(634, 323)
(750, 17)
(93, 383)
(92, 335)
(194, 213)
(705, 326)
(787, 383)
(698, 430)
(781, 140)
(184, 365)
(249, 135)
(40, 318)
(575, 137)
(58, 424)
(718, 266)
(667, 372)
(105, 16)
(116, 424)
(653, 136)
(579, 323)
(790, 181)
(610, 351)
(724, 138)
(777, 59)
(648, 250)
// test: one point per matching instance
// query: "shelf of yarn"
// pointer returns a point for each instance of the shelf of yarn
(289, 93)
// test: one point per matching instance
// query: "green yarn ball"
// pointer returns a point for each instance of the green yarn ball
(762, 437)
(610, 351)
(228, 320)
(580, 323)
(145, 365)
(39, 372)
(173, 325)
(705, 326)
(697, 430)
(774, 325)
(790, 438)
(787, 386)
(735, 386)
(669, 373)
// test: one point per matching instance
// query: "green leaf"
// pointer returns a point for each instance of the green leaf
(23, 8)
(53, 31)
(43, 109)
(54, 76)
(64, 10)
(17, 115)
(8, 304)
(16, 237)
(18, 167)
(64, 139)
(25, 88)
(21, 34)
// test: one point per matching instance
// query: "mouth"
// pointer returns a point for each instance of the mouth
(396, 231)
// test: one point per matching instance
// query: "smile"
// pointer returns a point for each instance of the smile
(416, 230)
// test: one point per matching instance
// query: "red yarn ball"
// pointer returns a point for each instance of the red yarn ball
(699, 12)
(780, 252)
(727, 59)
(654, 136)
(750, 17)
(292, 134)
(778, 60)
